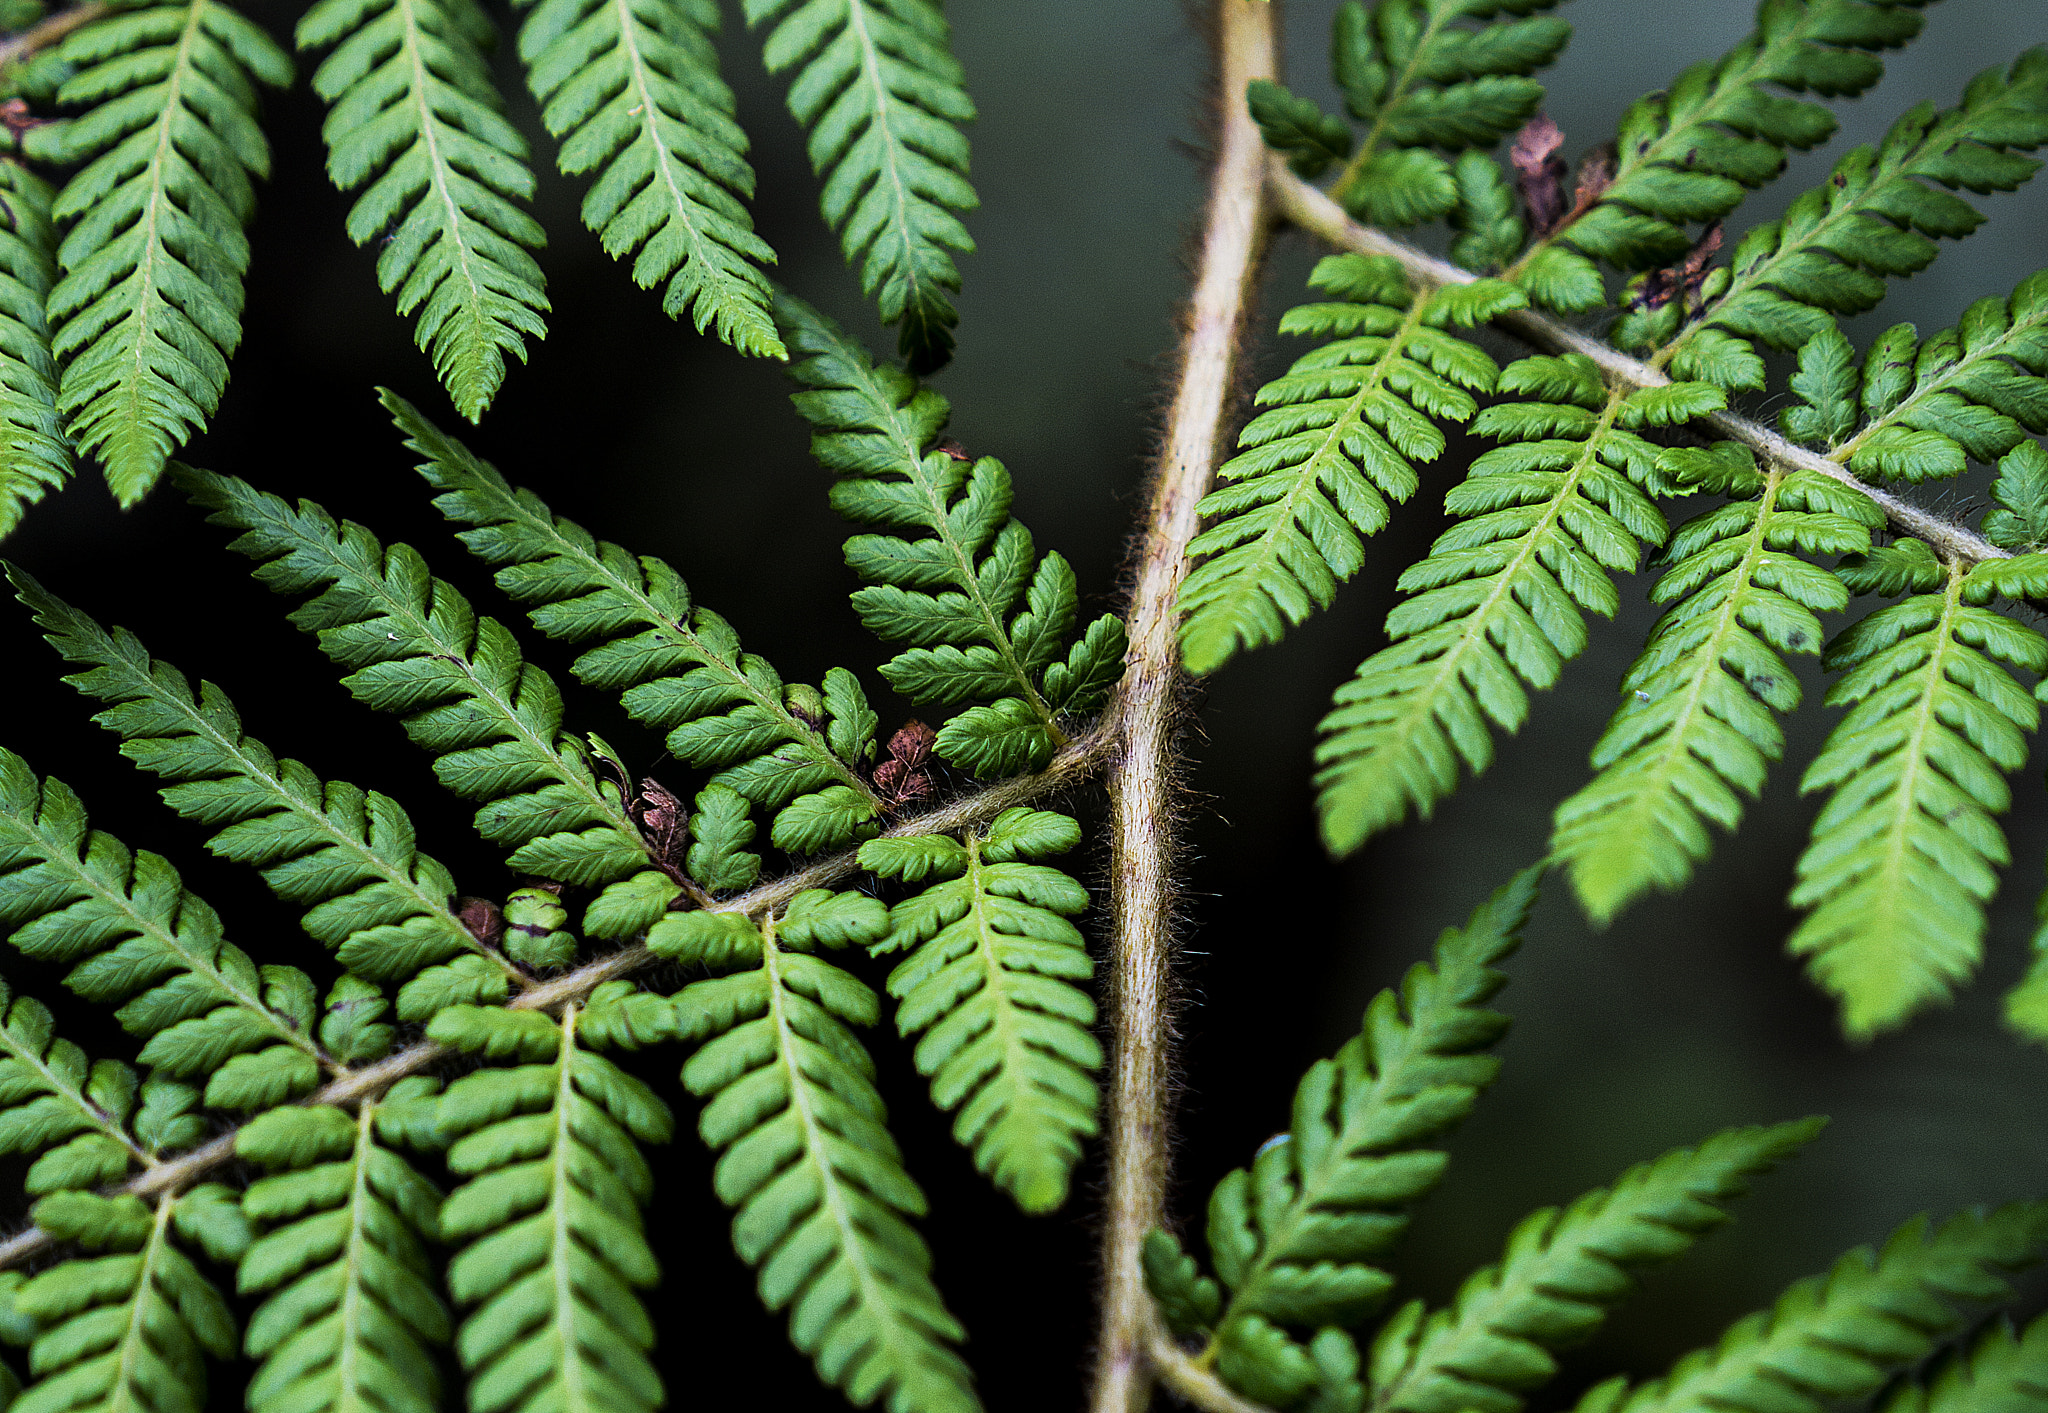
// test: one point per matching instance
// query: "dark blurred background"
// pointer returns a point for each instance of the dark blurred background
(1683, 1017)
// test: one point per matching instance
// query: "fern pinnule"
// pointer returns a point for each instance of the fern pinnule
(1905, 853)
(1499, 600)
(991, 991)
(149, 307)
(68, 1114)
(35, 455)
(632, 89)
(882, 99)
(132, 934)
(878, 431)
(461, 685)
(786, 747)
(1338, 440)
(1996, 1370)
(350, 1309)
(412, 111)
(1563, 1270)
(1837, 1337)
(1694, 731)
(817, 1183)
(549, 1217)
(345, 854)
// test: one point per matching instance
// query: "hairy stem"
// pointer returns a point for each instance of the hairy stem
(1194, 1382)
(1141, 774)
(1312, 210)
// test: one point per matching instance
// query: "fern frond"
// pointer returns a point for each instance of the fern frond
(1564, 1269)
(350, 1309)
(1997, 1371)
(882, 99)
(1422, 80)
(1695, 731)
(129, 1329)
(1836, 1337)
(679, 666)
(465, 692)
(1879, 215)
(990, 990)
(35, 455)
(1343, 428)
(67, 1113)
(1499, 600)
(412, 111)
(1688, 152)
(632, 89)
(345, 854)
(1907, 852)
(878, 432)
(817, 1182)
(549, 1219)
(1918, 412)
(1292, 1238)
(131, 933)
(150, 304)
(2020, 523)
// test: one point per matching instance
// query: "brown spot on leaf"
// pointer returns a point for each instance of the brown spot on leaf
(664, 823)
(902, 776)
(1539, 171)
(483, 919)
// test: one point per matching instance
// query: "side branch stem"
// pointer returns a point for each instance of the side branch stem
(1314, 211)
(1141, 781)
(49, 30)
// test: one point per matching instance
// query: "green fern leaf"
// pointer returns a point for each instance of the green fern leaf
(1290, 123)
(1906, 852)
(350, 1309)
(817, 1182)
(1836, 1337)
(679, 666)
(1998, 1372)
(879, 432)
(412, 111)
(1563, 1270)
(69, 1114)
(1694, 731)
(632, 89)
(882, 100)
(413, 646)
(549, 1219)
(1498, 602)
(991, 990)
(128, 1329)
(1343, 428)
(1879, 215)
(1422, 79)
(1488, 218)
(1688, 152)
(2020, 522)
(131, 933)
(35, 456)
(345, 854)
(1292, 1238)
(149, 309)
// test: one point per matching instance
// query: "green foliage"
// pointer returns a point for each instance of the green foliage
(632, 89)
(991, 991)
(345, 854)
(680, 667)
(1877, 215)
(882, 99)
(1996, 1370)
(549, 1218)
(1425, 84)
(413, 646)
(2021, 490)
(1343, 428)
(412, 112)
(35, 456)
(1694, 731)
(1292, 1238)
(1498, 601)
(55, 1103)
(1311, 138)
(132, 934)
(150, 304)
(1905, 854)
(351, 1310)
(879, 433)
(1837, 1337)
(818, 1185)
